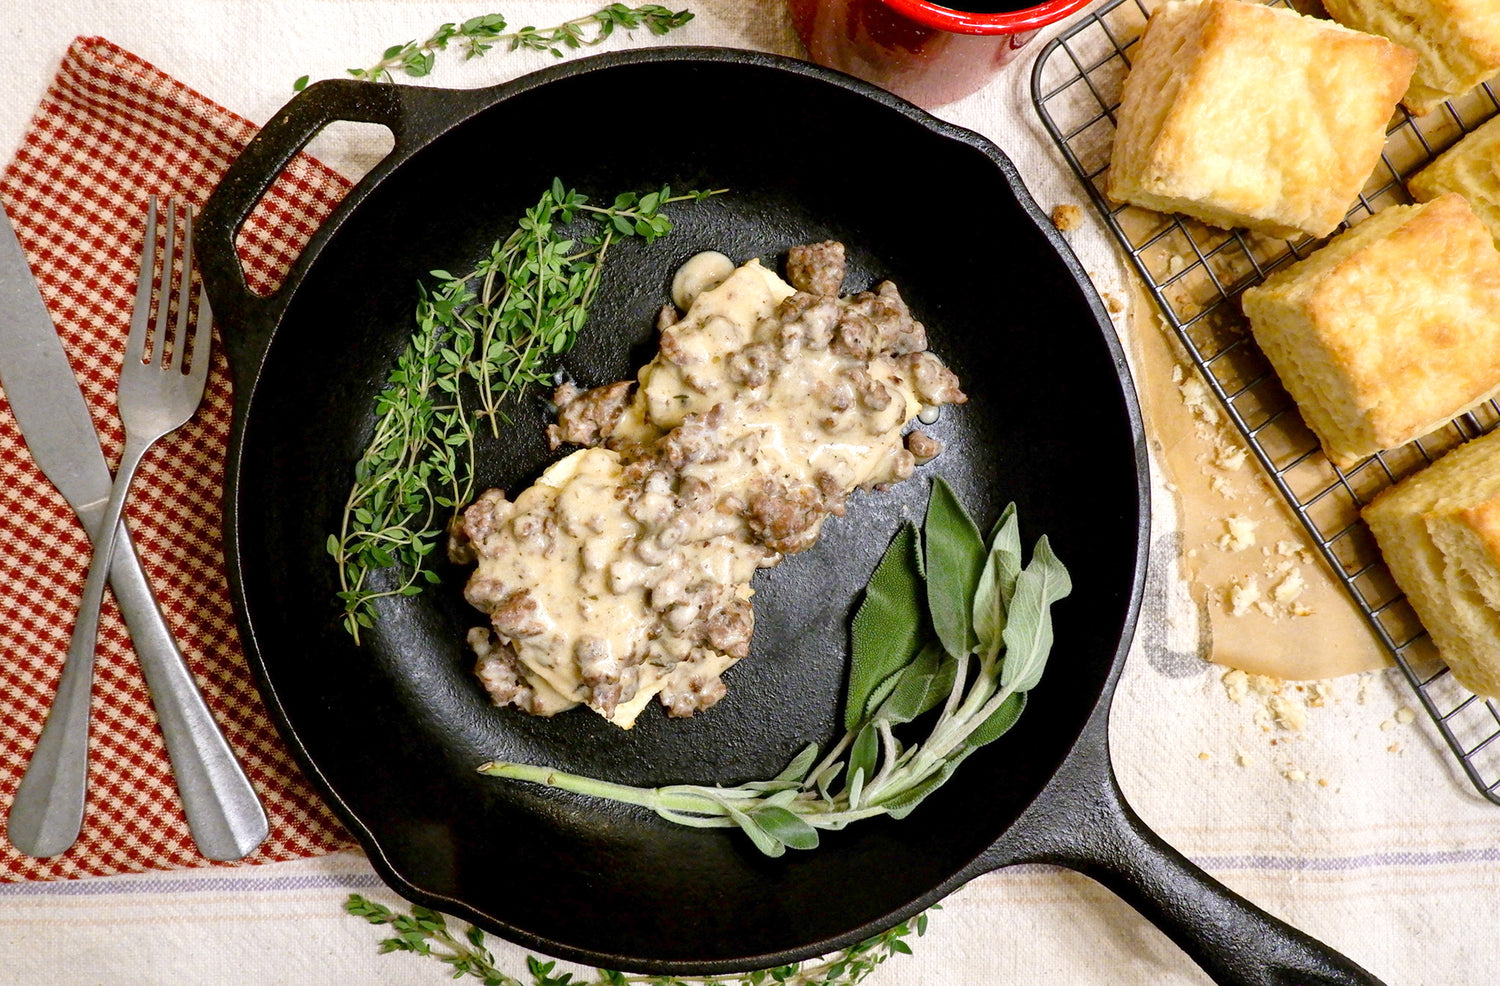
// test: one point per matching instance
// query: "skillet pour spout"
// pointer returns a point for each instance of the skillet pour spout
(390, 731)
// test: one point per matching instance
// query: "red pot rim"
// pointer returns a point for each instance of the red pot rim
(967, 22)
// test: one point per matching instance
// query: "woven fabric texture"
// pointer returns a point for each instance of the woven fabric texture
(111, 132)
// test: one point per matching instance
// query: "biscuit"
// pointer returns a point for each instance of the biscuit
(1435, 531)
(1390, 330)
(1457, 41)
(1248, 116)
(1471, 168)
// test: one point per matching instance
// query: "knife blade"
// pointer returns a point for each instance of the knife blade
(223, 811)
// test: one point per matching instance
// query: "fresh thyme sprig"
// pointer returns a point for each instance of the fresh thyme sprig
(426, 932)
(481, 339)
(948, 620)
(478, 35)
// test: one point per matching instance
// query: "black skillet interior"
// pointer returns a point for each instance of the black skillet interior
(392, 730)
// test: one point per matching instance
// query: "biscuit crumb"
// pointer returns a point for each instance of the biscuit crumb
(1066, 217)
(1293, 550)
(1243, 759)
(1322, 782)
(1236, 685)
(1264, 684)
(1243, 595)
(1239, 533)
(1287, 713)
(1289, 588)
(1387, 725)
(1394, 748)
(1293, 774)
(1229, 457)
(1405, 715)
(1196, 396)
(1205, 755)
(1113, 304)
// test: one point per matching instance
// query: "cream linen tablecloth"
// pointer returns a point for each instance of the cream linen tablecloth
(1382, 850)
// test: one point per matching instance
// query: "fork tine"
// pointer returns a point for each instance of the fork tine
(135, 343)
(184, 295)
(164, 299)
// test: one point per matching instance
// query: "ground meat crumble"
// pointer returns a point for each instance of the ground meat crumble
(623, 574)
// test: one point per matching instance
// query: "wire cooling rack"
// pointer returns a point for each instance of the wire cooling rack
(1196, 274)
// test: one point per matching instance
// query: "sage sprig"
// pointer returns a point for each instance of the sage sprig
(426, 932)
(478, 35)
(949, 621)
(481, 338)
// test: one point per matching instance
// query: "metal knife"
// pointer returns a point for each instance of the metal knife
(223, 811)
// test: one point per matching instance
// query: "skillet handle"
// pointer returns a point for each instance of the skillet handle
(1083, 822)
(412, 114)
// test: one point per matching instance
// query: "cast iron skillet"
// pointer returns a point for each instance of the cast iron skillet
(391, 732)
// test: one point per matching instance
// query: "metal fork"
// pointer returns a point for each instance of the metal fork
(158, 393)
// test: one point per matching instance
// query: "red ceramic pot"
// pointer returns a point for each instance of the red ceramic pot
(927, 53)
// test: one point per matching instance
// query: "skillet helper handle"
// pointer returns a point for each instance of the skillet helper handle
(411, 113)
(1084, 823)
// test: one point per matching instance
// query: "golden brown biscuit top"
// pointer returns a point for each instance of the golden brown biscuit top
(1283, 107)
(1415, 316)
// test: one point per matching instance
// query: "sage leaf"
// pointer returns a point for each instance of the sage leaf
(825, 778)
(856, 789)
(865, 751)
(920, 686)
(955, 561)
(785, 827)
(800, 765)
(887, 627)
(997, 583)
(998, 723)
(764, 841)
(781, 799)
(904, 803)
(772, 787)
(1028, 632)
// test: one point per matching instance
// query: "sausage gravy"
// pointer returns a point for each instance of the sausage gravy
(624, 573)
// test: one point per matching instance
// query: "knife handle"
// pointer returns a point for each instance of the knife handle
(223, 811)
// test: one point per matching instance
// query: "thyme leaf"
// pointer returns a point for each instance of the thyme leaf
(426, 932)
(980, 680)
(481, 339)
(478, 35)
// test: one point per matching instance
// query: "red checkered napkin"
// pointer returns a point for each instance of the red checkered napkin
(111, 131)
